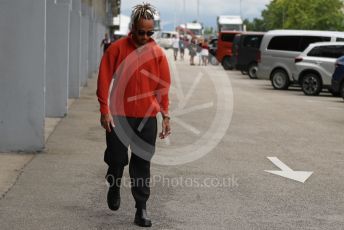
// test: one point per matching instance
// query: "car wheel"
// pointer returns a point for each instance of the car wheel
(311, 84)
(335, 94)
(243, 72)
(342, 90)
(280, 79)
(252, 70)
(213, 60)
(226, 63)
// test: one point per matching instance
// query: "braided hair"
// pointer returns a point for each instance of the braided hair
(142, 11)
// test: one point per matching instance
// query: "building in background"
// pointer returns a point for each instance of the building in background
(113, 10)
(191, 30)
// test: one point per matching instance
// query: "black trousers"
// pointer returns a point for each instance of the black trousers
(140, 134)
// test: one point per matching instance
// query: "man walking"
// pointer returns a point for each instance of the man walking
(138, 71)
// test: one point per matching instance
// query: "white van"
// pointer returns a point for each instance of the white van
(279, 49)
(164, 38)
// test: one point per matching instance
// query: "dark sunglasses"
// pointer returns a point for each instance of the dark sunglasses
(143, 33)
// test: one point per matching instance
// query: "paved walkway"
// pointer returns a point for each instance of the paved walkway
(224, 187)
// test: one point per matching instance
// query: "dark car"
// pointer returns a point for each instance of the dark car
(337, 86)
(224, 48)
(245, 52)
(235, 49)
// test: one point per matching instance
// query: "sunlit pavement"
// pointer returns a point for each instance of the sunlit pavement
(223, 188)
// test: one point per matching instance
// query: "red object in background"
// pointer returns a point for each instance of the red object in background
(224, 44)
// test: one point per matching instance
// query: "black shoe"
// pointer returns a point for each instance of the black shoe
(114, 198)
(141, 218)
(113, 177)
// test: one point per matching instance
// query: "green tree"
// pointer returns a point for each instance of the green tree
(304, 14)
(256, 25)
(209, 30)
(274, 16)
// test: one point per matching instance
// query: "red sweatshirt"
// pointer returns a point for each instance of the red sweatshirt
(141, 80)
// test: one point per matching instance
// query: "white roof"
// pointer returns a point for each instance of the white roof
(327, 44)
(228, 19)
(304, 32)
(194, 26)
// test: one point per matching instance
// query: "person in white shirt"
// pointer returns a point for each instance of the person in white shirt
(175, 46)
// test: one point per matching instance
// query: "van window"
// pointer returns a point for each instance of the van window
(327, 51)
(294, 43)
(288, 43)
(165, 35)
(306, 40)
(227, 37)
(236, 38)
(252, 41)
(340, 39)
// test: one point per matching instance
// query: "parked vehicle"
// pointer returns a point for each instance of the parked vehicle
(224, 48)
(279, 48)
(337, 83)
(233, 59)
(245, 52)
(315, 66)
(164, 39)
(212, 51)
(191, 30)
(229, 22)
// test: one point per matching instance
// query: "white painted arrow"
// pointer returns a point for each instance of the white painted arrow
(287, 172)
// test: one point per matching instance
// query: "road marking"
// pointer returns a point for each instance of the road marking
(300, 176)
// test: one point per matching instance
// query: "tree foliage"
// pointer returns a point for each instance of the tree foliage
(300, 14)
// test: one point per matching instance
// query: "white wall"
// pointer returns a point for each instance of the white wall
(47, 51)
(75, 51)
(57, 69)
(22, 74)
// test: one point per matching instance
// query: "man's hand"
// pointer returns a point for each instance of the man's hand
(166, 128)
(105, 121)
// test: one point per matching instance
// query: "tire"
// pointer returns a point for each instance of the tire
(280, 79)
(342, 90)
(226, 63)
(311, 84)
(252, 70)
(335, 94)
(244, 72)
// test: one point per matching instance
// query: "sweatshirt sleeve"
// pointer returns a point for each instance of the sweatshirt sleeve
(106, 71)
(164, 86)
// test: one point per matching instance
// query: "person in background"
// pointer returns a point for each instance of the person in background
(192, 51)
(175, 46)
(182, 47)
(106, 42)
(133, 66)
(205, 52)
(199, 50)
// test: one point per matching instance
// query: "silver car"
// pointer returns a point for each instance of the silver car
(279, 48)
(314, 66)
